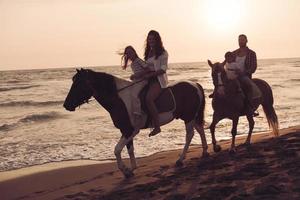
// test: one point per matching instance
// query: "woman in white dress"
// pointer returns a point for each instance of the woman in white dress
(158, 56)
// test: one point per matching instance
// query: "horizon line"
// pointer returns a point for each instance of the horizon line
(112, 65)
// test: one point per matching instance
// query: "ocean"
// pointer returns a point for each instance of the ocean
(36, 129)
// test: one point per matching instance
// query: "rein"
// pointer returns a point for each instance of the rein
(119, 90)
(127, 86)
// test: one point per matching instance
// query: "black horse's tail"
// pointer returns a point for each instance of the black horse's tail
(200, 114)
(268, 108)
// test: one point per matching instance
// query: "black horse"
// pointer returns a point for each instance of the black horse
(114, 94)
(232, 104)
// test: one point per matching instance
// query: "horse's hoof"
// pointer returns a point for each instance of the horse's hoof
(179, 163)
(247, 144)
(232, 151)
(205, 155)
(217, 148)
(128, 173)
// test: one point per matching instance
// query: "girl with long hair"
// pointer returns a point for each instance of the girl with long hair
(156, 54)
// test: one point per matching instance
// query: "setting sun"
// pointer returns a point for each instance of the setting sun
(222, 15)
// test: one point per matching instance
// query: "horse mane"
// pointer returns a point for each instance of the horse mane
(103, 82)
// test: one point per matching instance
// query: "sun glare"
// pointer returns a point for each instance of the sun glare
(223, 14)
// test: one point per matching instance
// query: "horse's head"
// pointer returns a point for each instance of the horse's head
(217, 72)
(223, 85)
(80, 91)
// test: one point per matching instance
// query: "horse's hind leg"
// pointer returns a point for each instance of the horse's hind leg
(130, 150)
(200, 130)
(189, 126)
(212, 128)
(251, 126)
(233, 132)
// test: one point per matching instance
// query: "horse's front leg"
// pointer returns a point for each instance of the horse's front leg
(130, 149)
(212, 128)
(251, 126)
(118, 149)
(189, 127)
(233, 133)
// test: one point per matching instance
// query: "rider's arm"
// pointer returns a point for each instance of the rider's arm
(160, 66)
(154, 73)
(162, 61)
(146, 66)
(251, 63)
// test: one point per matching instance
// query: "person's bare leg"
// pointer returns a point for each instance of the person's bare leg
(152, 94)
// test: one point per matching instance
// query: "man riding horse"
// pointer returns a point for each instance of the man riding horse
(228, 100)
(246, 62)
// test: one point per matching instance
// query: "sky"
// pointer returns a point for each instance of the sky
(73, 33)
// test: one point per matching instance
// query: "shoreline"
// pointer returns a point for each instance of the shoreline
(86, 179)
(5, 175)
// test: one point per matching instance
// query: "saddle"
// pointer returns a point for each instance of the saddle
(165, 102)
(239, 89)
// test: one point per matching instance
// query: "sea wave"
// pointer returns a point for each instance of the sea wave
(295, 80)
(277, 86)
(40, 117)
(17, 88)
(44, 117)
(7, 127)
(31, 103)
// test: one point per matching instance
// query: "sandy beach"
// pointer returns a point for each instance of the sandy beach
(269, 169)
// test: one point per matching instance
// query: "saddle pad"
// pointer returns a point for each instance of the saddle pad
(164, 103)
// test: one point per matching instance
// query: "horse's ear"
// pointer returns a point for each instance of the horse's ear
(77, 70)
(210, 63)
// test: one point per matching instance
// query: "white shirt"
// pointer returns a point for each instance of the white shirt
(240, 61)
(161, 63)
(230, 69)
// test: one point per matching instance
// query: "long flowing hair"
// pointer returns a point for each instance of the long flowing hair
(125, 58)
(158, 48)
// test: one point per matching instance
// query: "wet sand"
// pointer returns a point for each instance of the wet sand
(269, 169)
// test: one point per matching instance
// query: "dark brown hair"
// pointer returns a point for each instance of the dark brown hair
(243, 35)
(159, 48)
(125, 58)
(228, 54)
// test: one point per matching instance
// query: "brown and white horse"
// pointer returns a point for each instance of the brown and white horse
(232, 105)
(113, 94)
